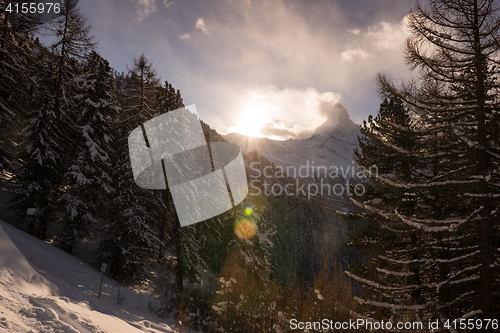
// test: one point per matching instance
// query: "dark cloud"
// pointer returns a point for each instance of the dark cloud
(362, 13)
(216, 51)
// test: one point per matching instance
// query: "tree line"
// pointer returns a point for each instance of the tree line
(65, 118)
(430, 231)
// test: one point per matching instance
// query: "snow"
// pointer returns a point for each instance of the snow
(467, 279)
(459, 298)
(424, 185)
(492, 153)
(380, 286)
(43, 289)
(478, 195)
(331, 146)
(385, 271)
(406, 262)
(393, 307)
(423, 226)
(463, 137)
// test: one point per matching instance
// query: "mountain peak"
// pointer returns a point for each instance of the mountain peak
(338, 121)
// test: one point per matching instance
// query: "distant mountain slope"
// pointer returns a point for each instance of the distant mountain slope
(331, 145)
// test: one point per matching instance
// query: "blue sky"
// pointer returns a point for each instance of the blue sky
(259, 67)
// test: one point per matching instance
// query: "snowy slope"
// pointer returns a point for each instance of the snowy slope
(332, 144)
(43, 289)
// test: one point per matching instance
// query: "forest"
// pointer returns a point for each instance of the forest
(421, 246)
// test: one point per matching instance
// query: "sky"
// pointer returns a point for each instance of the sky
(260, 67)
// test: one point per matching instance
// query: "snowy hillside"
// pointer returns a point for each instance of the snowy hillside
(43, 289)
(332, 144)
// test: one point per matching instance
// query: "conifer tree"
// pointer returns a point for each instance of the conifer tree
(140, 93)
(89, 185)
(132, 240)
(394, 288)
(34, 196)
(454, 186)
(182, 243)
(47, 145)
(73, 40)
(168, 99)
(16, 58)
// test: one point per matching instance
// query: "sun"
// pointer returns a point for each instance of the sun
(251, 122)
(253, 118)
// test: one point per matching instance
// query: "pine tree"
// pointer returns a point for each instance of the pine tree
(132, 240)
(73, 40)
(168, 99)
(288, 243)
(390, 245)
(389, 124)
(454, 185)
(16, 58)
(184, 243)
(140, 93)
(89, 185)
(47, 143)
(33, 198)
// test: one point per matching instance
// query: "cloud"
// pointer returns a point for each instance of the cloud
(145, 7)
(278, 130)
(389, 35)
(274, 44)
(281, 113)
(168, 3)
(263, 42)
(271, 48)
(335, 112)
(350, 54)
(200, 24)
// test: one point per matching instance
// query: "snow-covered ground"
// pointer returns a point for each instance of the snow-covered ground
(45, 290)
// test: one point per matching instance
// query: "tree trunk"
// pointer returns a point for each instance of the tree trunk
(179, 274)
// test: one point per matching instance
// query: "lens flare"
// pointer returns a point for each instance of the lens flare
(248, 211)
(245, 229)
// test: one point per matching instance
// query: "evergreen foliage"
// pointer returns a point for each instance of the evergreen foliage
(16, 60)
(89, 185)
(47, 144)
(434, 217)
(34, 196)
(132, 240)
